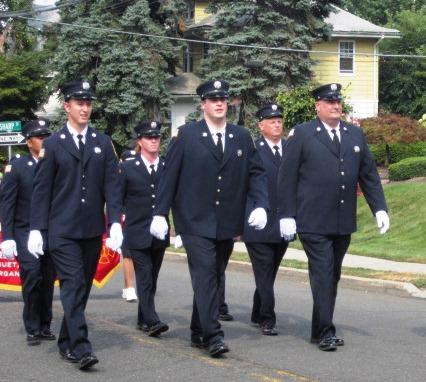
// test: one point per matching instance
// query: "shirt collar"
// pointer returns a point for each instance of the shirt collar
(148, 163)
(272, 144)
(329, 128)
(214, 130)
(74, 132)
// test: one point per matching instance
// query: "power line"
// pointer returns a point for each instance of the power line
(218, 43)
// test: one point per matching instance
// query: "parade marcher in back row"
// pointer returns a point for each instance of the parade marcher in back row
(139, 179)
(323, 161)
(37, 273)
(76, 177)
(266, 248)
(211, 168)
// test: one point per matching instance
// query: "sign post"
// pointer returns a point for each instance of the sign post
(10, 135)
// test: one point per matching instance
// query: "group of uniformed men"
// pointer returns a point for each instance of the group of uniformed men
(219, 184)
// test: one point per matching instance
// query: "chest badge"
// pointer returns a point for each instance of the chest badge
(239, 153)
(97, 150)
(357, 149)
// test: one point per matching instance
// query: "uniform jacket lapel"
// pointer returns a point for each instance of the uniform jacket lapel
(30, 168)
(230, 143)
(90, 144)
(322, 135)
(345, 138)
(207, 140)
(67, 142)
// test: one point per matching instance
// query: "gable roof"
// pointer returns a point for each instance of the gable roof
(343, 23)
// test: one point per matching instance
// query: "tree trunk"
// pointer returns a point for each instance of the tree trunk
(387, 155)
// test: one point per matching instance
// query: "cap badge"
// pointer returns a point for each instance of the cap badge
(62, 136)
(274, 107)
(86, 86)
(132, 152)
(333, 87)
(239, 153)
(97, 150)
(41, 123)
(217, 84)
(153, 125)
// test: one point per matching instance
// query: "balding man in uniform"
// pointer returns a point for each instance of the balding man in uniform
(323, 161)
(37, 273)
(76, 177)
(211, 168)
(266, 247)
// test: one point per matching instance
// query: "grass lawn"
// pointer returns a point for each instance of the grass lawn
(406, 238)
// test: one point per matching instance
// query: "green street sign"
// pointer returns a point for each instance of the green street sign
(10, 126)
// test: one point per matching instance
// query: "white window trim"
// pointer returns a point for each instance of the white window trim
(346, 74)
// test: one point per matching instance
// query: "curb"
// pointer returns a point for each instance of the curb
(388, 286)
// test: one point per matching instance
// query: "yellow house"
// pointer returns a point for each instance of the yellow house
(349, 57)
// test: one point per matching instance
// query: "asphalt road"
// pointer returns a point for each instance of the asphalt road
(385, 337)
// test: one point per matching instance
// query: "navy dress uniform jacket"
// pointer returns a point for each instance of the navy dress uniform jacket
(138, 194)
(208, 194)
(318, 187)
(271, 233)
(69, 195)
(17, 188)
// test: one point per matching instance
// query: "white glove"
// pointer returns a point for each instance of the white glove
(383, 222)
(159, 227)
(178, 242)
(35, 243)
(258, 218)
(115, 237)
(288, 228)
(8, 249)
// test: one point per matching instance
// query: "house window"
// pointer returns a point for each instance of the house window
(346, 57)
(187, 60)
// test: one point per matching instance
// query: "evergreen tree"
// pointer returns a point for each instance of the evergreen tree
(129, 71)
(258, 75)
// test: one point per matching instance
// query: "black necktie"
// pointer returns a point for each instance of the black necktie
(219, 144)
(152, 167)
(336, 141)
(277, 155)
(80, 146)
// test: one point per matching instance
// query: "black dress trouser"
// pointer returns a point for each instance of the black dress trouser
(76, 261)
(37, 280)
(325, 256)
(206, 261)
(265, 259)
(147, 263)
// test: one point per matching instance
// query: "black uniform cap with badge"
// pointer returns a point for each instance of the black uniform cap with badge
(269, 111)
(328, 92)
(213, 89)
(78, 90)
(128, 155)
(37, 128)
(148, 129)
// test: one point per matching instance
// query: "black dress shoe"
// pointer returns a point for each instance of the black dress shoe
(144, 327)
(33, 339)
(198, 343)
(269, 330)
(217, 349)
(47, 335)
(225, 317)
(157, 329)
(338, 341)
(68, 355)
(87, 361)
(327, 344)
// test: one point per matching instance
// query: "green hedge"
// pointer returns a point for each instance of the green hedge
(399, 151)
(408, 168)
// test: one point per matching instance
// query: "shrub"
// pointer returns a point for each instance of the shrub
(408, 168)
(398, 151)
(392, 128)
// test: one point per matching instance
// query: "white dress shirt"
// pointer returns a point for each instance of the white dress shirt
(74, 134)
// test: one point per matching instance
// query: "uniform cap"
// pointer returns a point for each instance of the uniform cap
(78, 90)
(148, 129)
(37, 128)
(269, 111)
(213, 89)
(329, 92)
(127, 154)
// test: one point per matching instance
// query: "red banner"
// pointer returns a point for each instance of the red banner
(109, 262)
